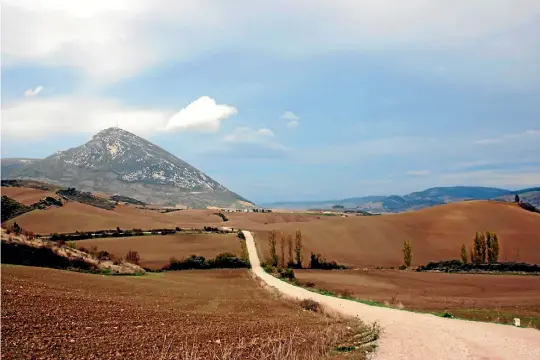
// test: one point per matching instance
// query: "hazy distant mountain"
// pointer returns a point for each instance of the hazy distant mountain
(418, 200)
(116, 161)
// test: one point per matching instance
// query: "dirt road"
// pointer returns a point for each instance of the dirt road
(408, 335)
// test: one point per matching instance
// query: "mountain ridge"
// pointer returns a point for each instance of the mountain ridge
(418, 199)
(116, 161)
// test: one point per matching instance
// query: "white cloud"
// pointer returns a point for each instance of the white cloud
(261, 138)
(40, 118)
(528, 134)
(293, 124)
(419, 172)
(265, 132)
(293, 120)
(203, 114)
(289, 115)
(113, 39)
(33, 92)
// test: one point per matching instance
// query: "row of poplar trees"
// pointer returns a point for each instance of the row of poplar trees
(294, 257)
(484, 248)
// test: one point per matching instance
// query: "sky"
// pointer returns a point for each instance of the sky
(286, 100)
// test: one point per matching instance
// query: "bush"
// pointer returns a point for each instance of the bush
(317, 262)
(241, 235)
(133, 257)
(227, 260)
(311, 305)
(286, 273)
(178, 229)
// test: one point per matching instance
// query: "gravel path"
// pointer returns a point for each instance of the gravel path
(408, 335)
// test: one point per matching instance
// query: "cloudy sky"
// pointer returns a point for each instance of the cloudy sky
(286, 100)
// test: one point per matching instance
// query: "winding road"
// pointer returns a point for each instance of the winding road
(408, 335)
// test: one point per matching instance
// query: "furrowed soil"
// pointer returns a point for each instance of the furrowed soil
(54, 314)
(472, 296)
(156, 250)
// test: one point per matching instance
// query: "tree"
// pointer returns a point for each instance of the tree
(516, 198)
(476, 256)
(463, 254)
(282, 252)
(407, 252)
(272, 244)
(493, 248)
(290, 248)
(483, 248)
(298, 249)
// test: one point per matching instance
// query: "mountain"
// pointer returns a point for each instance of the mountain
(419, 200)
(116, 161)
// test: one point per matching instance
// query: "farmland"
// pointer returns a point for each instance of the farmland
(156, 250)
(471, 296)
(53, 314)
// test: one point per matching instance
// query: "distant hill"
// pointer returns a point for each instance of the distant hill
(116, 161)
(418, 200)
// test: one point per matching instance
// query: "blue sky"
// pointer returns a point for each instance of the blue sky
(280, 101)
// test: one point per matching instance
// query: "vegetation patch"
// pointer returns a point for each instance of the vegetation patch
(195, 262)
(12, 208)
(21, 250)
(318, 262)
(86, 198)
(127, 199)
(457, 266)
(222, 216)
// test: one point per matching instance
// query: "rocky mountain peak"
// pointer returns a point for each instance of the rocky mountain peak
(115, 158)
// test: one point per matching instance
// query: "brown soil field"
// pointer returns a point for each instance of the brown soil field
(436, 234)
(26, 196)
(54, 314)
(156, 250)
(74, 216)
(471, 296)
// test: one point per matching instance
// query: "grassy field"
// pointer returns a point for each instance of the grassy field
(482, 297)
(156, 250)
(214, 314)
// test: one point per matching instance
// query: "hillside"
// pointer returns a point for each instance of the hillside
(436, 233)
(416, 200)
(115, 161)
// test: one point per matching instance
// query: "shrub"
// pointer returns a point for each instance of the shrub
(178, 229)
(241, 235)
(407, 252)
(311, 305)
(133, 257)
(317, 262)
(286, 273)
(227, 260)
